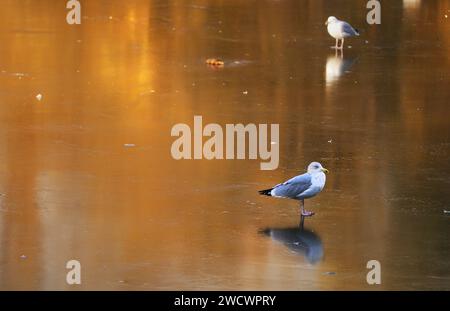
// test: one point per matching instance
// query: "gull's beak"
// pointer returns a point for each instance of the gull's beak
(326, 23)
(324, 170)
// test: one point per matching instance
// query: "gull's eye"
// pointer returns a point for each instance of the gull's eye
(316, 166)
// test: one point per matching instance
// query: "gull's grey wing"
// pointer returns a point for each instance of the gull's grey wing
(293, 187)
(348, 30)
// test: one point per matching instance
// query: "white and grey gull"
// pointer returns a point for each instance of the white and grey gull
(301, 187)
(340, 30)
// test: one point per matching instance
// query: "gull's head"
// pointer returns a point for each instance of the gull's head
(331, 20)
(316, 167)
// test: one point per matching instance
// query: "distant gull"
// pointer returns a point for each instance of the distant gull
(301, 187)
(340, 30)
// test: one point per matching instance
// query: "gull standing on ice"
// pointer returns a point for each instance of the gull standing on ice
(340, 30)
(301, 187)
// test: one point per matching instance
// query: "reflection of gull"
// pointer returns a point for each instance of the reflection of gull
(340, 30)
(337, 66)
(301, 187)
(300, 241)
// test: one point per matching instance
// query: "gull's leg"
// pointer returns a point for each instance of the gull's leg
(304, 212)
(342, 43)
(336, 45)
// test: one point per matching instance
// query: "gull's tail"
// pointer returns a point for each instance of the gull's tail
(356, 31)
(266, 192)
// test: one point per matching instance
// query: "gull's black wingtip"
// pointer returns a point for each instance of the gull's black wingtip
(265, 192)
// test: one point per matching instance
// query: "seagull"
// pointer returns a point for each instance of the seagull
(301, 187)
(340, 30)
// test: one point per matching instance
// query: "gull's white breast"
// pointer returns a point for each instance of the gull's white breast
(317, 184)
(335, 30)
(318, 180)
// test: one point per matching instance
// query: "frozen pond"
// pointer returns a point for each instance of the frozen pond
(86, 171)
